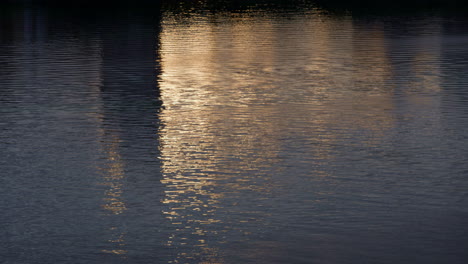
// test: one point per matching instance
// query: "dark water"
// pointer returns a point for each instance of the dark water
(255, 136)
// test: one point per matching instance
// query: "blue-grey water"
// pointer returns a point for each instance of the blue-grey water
(181, 135)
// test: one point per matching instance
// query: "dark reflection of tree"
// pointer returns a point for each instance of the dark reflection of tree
(89, 77)
(130, 105)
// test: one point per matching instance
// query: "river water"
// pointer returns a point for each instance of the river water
(261, 135)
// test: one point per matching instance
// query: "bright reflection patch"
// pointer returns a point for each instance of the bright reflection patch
(248, 98)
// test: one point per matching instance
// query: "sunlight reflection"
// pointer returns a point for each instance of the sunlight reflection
(236, 103)
(249, 103)
(113, 176)
(112, 180)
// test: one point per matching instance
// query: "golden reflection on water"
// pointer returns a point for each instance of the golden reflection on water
(113, 176)
(111, 168)
(112, 181)
(247, 94)
(116, 242)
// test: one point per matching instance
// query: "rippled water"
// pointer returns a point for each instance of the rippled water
(255, 136)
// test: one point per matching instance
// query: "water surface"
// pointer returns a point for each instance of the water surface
(251, 136)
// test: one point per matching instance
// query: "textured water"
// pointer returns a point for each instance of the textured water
(261, 135)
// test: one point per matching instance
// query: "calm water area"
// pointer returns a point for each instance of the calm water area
(263, 134)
